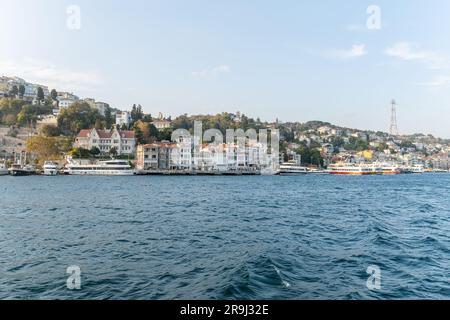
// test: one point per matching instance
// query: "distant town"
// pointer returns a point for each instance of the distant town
(48, 125)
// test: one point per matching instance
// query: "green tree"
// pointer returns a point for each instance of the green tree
(21, 90)
(40, 96)
(54, 94)
(136, 114)
(113, 152)
(80, 153)
(139, 135)
(109, 120)
(14, 91)
(77, 117)
(95, 151)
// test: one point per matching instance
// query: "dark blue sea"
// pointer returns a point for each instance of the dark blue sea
(298, 237)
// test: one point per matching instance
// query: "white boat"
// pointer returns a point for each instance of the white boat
(417, 169)
(317, 171)
(50, 168)
(101, 168)
(3, 169)
(352, 169)
(292, 167)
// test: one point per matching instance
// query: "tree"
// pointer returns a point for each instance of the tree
(40, 94)
(95, 151)
(139, 135)
(54, 94)
(145, 132)
(310, 155)
(45, 148)
(29, 113)
(50, 131)
(14, 91)
(136, 114)
(80, 153)
(109, 121)
(113, 152)
(147, 118)
(99, 124)
(77, 117)
(21, 90)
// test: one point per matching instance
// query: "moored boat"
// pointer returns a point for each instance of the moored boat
(3, 169)
(352, 169)
(292, 168)
(50, 168)
(19, 170)
(101, 168)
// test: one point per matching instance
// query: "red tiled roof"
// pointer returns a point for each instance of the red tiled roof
(84, 133)
(106, 134)
(127, 134)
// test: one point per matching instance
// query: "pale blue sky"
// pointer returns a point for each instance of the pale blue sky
(295, 60)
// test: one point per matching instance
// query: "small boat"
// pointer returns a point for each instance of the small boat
(3, 169)
(50, 168)
(19, 170)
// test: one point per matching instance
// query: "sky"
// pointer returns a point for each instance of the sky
(326, 60)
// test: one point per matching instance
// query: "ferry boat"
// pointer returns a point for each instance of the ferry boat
(3, 169)
(292, 167)
(101, 168)
(352, 169)
(389, 169)
(417, 169)
(50, 168)
(18, 170)
(317, 171)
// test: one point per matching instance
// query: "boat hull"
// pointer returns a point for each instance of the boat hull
(354, 173)
(21, 173)
(292, 173)
(101, 173)
(50, 172)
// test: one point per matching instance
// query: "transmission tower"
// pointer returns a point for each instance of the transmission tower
(394, 128)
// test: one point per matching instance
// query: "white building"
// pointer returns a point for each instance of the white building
(123, 118)
(105, 140)
(65, 103)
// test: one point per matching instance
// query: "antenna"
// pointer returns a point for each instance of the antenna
(393, 130)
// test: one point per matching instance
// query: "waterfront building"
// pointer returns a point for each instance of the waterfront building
(154, 156)
(123, 141)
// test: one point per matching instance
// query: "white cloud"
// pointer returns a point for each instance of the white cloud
(356, 51)
(410, 52)
(46, 73)
(212, 72)
(437, 82)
